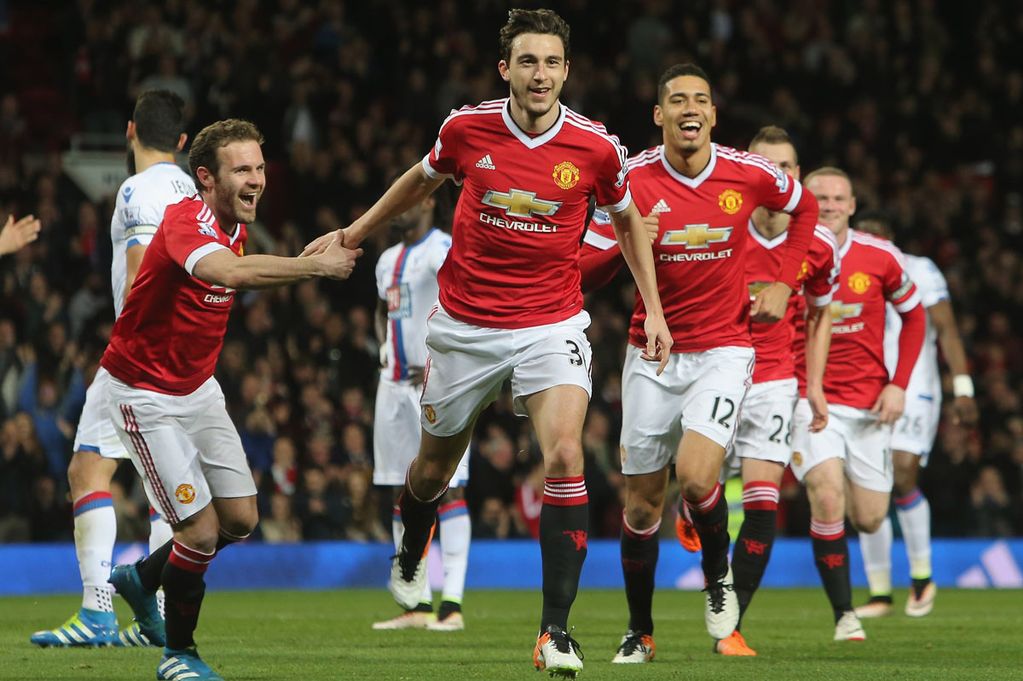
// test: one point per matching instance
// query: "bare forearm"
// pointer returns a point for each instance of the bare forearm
(818, 343)
(639, 256)
(411, 188)
(264, 271)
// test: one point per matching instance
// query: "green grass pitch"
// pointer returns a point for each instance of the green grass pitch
(314, 636)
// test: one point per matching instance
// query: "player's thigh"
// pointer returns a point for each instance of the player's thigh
(557, 414)
(906, 471)
(95, 432)
(810, 450)
(764, 432)
(869, 460)
(716, 384)
(867, 508)
(551, 356)
(466, 367)
(396, 432)
(757, 470)
(160, 451)
(651, 413)
(221, 455)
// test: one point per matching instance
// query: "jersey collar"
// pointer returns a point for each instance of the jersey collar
(769, 244)
(691, 182)
(532, 142)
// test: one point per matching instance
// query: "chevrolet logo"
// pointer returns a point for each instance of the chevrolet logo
(841, 311)
(520, 204)
(696, 236)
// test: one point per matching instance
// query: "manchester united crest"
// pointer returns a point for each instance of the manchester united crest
(185, 493)
(730, 201)
(430, 413)
(804, 270)
(859, 282)
(797, 459)
(566, 175)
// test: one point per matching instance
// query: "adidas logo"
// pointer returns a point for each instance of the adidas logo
(486, 163)
(661, 207)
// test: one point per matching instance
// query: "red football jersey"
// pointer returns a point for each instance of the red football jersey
(514, 260)
(818, 280)
(170, 333)
(872, 274)
(700, 252)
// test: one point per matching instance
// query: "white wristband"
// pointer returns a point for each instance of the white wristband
(962, 386)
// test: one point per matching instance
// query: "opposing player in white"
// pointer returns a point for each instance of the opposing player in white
(155, 133)
(914, 435)
(406, 275)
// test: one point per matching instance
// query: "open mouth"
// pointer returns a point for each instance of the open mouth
(539, 92)
(690, 129)
(248, 200)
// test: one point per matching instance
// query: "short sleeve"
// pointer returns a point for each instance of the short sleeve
(439, 251)
(601, 233)
(381, 277)
(612, 185)
(824, 264)
(899, 289)
(778, 191)
(191, 234)
(932, 284)
(442, 161)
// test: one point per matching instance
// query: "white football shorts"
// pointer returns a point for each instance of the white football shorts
(185, 447)
(765, 424)
(853, 435)
(698, 390)
(95, 429)
(397, 432)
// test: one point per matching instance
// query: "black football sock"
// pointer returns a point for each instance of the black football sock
(755, 540)
(831, 555)
(710, 518)
(640, 549)
(184, 587)
(150, 568)
(564, 529)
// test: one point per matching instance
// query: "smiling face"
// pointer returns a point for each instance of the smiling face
(234, 191)
(535, 70)
(835, 199)
(686, 113)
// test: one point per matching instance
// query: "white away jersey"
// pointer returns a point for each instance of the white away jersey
(407, 281)
(141, 200)
(933, 289)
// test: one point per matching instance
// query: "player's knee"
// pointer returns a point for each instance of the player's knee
(565, 457)
(867, 521)
(827, 501)
(697, 490)
(83, 479)
(904, 481)
(238, 529)
(641, 514)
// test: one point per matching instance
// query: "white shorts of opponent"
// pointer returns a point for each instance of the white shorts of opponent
(765, 425)
(916, 430)
(853, 435)
(702, 391)
(468, 364)
(396, 435)
(185, 447)
(95, 429)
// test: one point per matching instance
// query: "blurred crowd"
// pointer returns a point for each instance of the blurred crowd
(913, 97)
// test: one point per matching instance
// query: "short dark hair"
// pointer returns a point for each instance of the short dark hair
(772, 134)
(544, 21)
(214, 136)
(159, 119)
(676, 70)
(875, 221)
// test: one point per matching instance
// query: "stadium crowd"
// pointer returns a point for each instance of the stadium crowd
(349, 94)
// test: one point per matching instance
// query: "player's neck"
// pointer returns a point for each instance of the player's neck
(770, 225)
(842, 235)
(529, 123)
(147, 158)
(414, 235)
(688, 164)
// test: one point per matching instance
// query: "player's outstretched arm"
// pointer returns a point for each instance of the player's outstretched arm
(409, 189)
(224, 268)
(634, 240)
(16, 235)
(944, 321)
(772, 301)
(818, 343)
